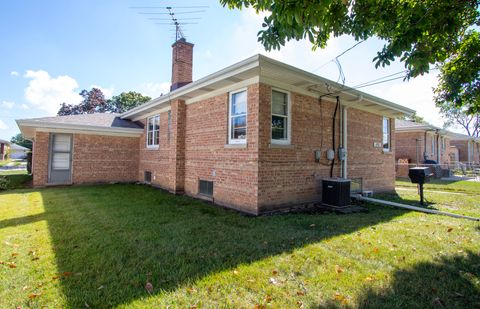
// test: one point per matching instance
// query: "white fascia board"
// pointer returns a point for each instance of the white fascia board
(45, 126)
(232, 70)
(345, 89)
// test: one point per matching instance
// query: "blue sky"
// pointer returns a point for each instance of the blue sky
(50, 50)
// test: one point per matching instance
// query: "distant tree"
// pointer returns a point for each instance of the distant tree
(20, 140)
(125, 101)
(93, 102)
(415, 118)
(460, 117)
(459, 82)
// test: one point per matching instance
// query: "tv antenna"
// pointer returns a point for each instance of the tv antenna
(190, 13)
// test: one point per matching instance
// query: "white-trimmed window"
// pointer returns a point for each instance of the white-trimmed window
(386, 134)
(434, 146)
(280, 117)
(237, 123)
(153, 131)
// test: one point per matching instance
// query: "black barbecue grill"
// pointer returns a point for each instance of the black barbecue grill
(420, 175)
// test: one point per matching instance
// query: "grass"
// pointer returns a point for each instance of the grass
(97, 246)
(17, 179)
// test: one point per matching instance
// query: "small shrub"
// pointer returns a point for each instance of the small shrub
(4, 183)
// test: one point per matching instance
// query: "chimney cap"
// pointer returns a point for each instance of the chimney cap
(182, 41)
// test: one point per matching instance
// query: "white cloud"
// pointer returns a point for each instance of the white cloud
(154, 90)
(14, 73)
(3, 126)
(24, 106)
(47, 93)
(7, 104)
(107, 92)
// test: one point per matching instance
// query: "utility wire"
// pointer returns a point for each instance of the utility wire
(339, 55)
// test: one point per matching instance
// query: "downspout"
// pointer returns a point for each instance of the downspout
(332, 164)
(425, 158)
(468, 151)
(345, 138)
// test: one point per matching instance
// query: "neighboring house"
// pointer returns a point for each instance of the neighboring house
(468, 148)
(419, 142)
(18, 152)
(253, 136)
(3, 149)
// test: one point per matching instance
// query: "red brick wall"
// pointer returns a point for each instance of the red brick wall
(40, 159)
(406, 147)
(100, 158)
(96, 159)
(290, 175)
(157, 160)
(233, 170)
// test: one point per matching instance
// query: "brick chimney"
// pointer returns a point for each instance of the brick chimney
(182, 62)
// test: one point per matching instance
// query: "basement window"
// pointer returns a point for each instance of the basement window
(205, 187)
(386, 134)
(153, 131)
(147, 176)
(237, 124)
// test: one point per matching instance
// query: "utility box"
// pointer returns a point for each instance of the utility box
(336, 192)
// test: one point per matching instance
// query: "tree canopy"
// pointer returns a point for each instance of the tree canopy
(417, 32)
(125, 101)
(20, 140)
(459, 79)
(94, 102)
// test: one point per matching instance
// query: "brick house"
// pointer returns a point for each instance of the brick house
(253, 136)
(3, 149)
(418, 142)
(468, 148)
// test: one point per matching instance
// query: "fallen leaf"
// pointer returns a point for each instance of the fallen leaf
(2, 262)
(235, 272)
(450, 229)
(375, 250)
(274, 272)
(35, 258)
(100, 287)
(67, 273)
(299, 303)
(193, 307)
(12, 265)
(149, 287)
(34, 295)
(438, 302)
(272, 281)
(268, 299)
(338, 269)
(257, 306)
(300, 293)
(191, 290)
(14, 253)
(369, 278)
(312, 225)
(339, 297)
(25, 288)
(55, 277)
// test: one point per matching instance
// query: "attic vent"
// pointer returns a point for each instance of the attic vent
(147, 177)
(205, 187)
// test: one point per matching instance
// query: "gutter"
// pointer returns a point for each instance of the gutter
(49, 125)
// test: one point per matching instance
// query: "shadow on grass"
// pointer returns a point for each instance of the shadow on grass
(112, 236)
(394, 197)
(450, 282)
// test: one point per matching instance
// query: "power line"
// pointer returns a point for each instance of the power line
(339, 55)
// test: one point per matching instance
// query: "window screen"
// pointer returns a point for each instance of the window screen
(206, 187)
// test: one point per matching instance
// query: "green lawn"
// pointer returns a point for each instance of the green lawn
(96, 246)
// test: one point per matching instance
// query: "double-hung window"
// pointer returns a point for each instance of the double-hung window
(237, 124)
(386, 134)
(280, 117)
(153, 131)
